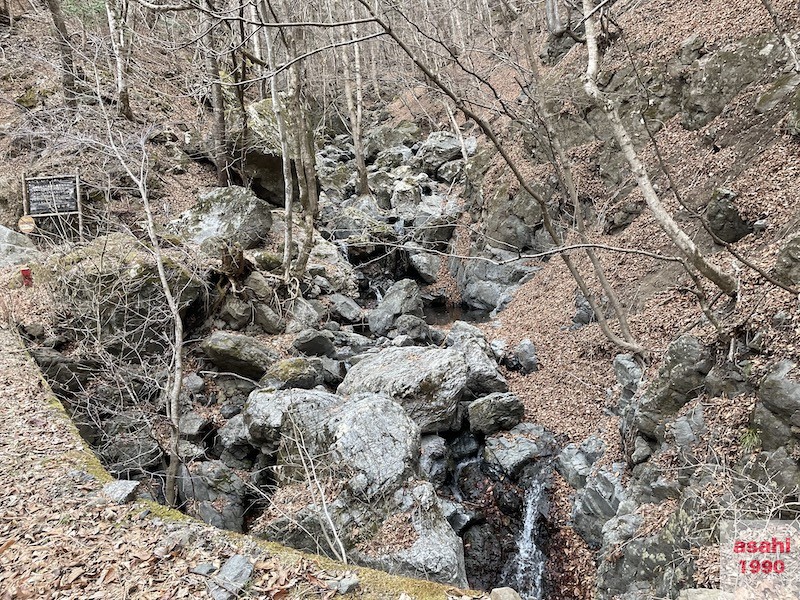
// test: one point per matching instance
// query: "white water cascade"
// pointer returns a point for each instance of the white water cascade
(524, 572)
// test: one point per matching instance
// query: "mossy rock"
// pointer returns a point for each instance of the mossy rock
(28, 99)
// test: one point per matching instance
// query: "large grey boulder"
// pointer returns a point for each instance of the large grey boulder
(597, 502)
(514, 450)
(427, 382)
(390, 135)
(495, 412)
(16, 248)
(436, 553)
(680, 378)
(239, 353)
(374, 440)
(265, 409)
(216, 493)
(483, 376)
(312, 342)
(434, 459)
(439, 148)
(114, 271)
(717, 77)
(393, 157)
(780, 394)
(403, 298)
(575, 460)
(233, 214)
(777, 415)
(426, 265)
(344, 308)
(291, 373)
(236, 448)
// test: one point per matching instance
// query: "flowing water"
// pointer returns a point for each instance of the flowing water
(524, 572)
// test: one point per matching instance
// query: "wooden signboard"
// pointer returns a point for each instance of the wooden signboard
(53, 197)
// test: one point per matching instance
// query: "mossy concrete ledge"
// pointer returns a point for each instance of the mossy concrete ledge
(373, 583)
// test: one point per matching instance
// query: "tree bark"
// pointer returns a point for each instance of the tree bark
(117, 13)
(65, 52)
(219, 129)
(286, 157)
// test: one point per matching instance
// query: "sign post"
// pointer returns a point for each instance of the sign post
(53, 197)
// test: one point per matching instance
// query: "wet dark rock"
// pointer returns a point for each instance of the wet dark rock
(239, 354)
(434, 459)
(218, 495)
(495, 412)
(312, 342)
(427, 382)
(724, 218)
(457, 515)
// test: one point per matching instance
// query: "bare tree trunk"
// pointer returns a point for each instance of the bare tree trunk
(722, 280)
(286, 157)
(117, 13)
(219, 130)
(65, 51)
(303, 141)
(563, 166)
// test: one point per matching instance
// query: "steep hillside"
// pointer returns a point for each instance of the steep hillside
(349, 408)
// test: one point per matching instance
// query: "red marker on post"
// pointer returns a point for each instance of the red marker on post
(27, 276)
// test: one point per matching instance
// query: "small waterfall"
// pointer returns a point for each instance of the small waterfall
(524, 572)
(456, 488)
